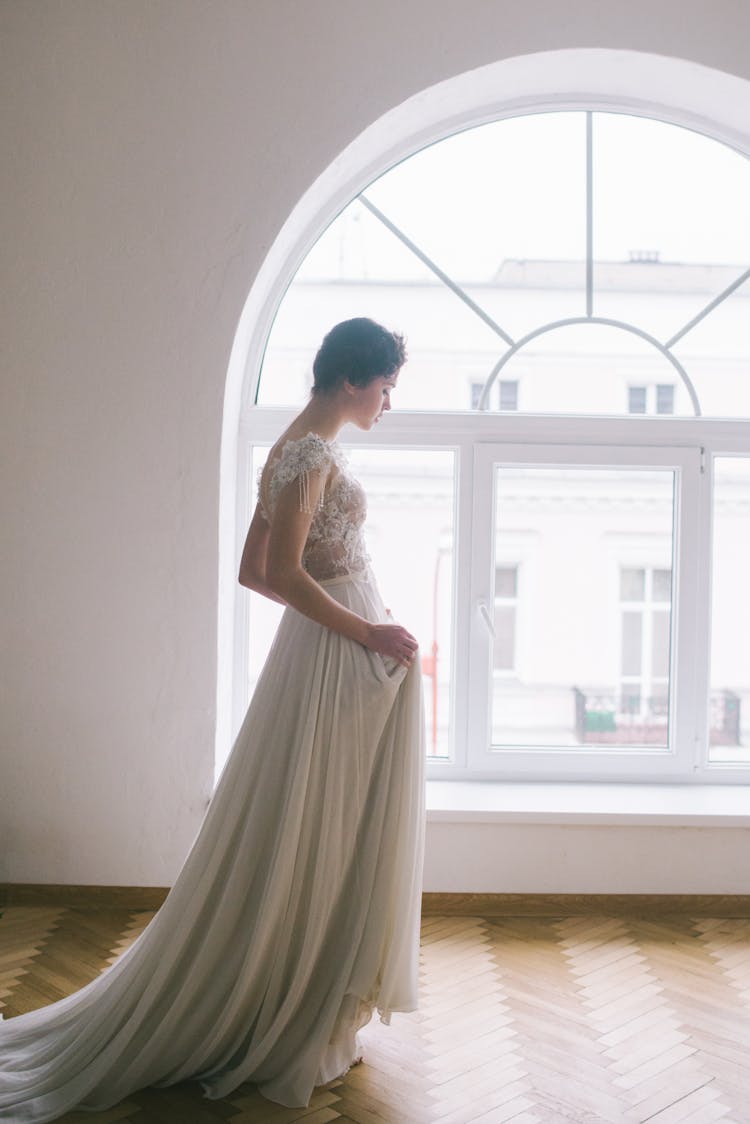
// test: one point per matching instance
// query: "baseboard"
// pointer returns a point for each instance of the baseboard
(135, 898)
(568, 905)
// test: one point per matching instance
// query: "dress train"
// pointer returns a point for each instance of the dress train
(295, 915)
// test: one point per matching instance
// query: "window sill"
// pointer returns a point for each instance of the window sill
(672, 805)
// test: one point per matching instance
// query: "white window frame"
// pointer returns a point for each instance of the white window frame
(473, 435)
(609, 762)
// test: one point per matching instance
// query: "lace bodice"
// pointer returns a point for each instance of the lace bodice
(335, 543)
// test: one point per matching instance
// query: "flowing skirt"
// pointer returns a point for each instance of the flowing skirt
(295, 915)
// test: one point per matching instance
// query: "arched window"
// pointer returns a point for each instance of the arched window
(562, 500)
(596, 260)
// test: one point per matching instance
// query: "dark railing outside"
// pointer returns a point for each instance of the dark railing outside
(605, 718)
(724, 718)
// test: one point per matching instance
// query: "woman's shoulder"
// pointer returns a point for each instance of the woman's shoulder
(304, 444)
(308, 453)
(295, 458)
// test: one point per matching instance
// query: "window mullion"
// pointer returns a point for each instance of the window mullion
(479, 664)
(702, 610)
(688, 677)
(589, 214)
(463, 519)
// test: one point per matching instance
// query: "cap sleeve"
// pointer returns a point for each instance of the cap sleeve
(299, 459)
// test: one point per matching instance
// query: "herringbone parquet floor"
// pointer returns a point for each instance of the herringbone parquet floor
(525, 1020)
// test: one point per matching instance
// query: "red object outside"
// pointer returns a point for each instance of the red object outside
(429, 670)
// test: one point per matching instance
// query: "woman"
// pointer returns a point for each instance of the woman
(296, 913)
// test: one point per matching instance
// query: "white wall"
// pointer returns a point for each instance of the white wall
(151, 152)
(514, 858)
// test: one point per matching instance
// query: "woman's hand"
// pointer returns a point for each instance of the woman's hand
(394, 641)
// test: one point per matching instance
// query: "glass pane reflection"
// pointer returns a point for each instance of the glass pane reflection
(410, 499)
(729, 700)
(582, 647)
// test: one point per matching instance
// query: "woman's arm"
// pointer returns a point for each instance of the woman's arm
(254, 557)
(285, 576)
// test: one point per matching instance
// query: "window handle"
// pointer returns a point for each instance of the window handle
(485, 615)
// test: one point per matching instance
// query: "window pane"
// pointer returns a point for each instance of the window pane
(505, 581)
(632, 641)
(630, 702)
(410, 496)
(662, 585)
(715, 351)
(486, 203)
(660, 646)
(632, 585)
(652, 181)
(505, 638)
(665, 399)
(584, 669)
(588, 369)
(508, 395)
(729, 711)
(636, 400)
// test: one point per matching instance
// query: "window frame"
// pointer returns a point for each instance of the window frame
(465, 432)
(605, 763)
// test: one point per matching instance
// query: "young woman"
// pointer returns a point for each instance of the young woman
(296, 914)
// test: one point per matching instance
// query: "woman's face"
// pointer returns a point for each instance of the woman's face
(371, 401)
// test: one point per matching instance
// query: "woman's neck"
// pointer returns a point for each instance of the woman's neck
(323, 415)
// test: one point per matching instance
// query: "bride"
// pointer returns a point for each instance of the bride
(296, 913)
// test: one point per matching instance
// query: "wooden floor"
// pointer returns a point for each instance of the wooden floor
(525, 1020)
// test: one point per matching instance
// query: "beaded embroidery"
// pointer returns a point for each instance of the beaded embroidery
(335, 543)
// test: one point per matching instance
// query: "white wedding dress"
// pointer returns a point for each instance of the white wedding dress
(296, 913)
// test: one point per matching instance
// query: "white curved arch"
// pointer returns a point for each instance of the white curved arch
(673, 90)
(608, 322)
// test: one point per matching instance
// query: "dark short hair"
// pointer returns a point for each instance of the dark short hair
(359, 350)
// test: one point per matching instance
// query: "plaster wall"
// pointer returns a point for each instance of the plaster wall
(514, 858)
(152, 152)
